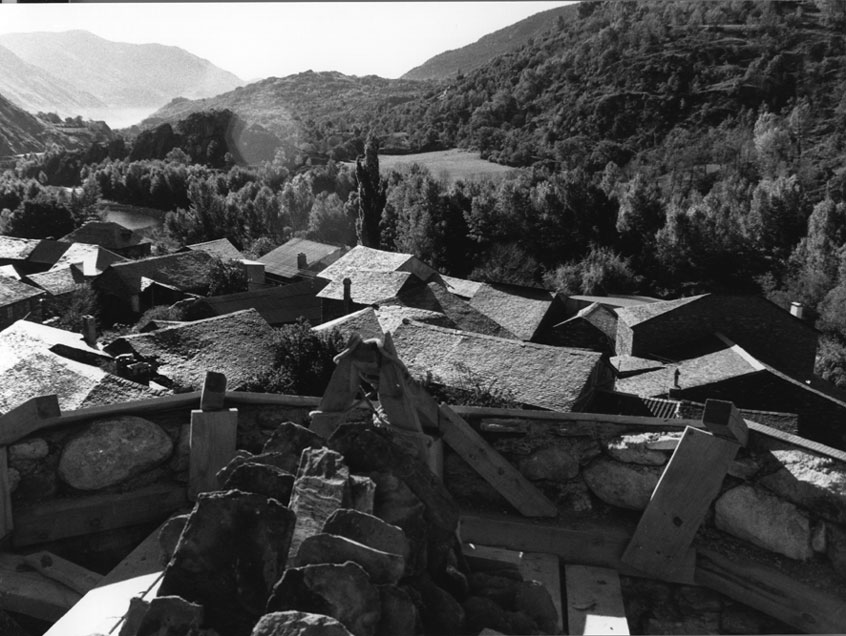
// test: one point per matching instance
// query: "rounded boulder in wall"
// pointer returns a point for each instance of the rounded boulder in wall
(110, 451)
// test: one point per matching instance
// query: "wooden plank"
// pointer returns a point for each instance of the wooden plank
(813, 610)
(573, 541)
(70, 517)
(724, 420)
(26, 591)
(65, 572)
(213, 437)
(214, 391)
(491, 555)
(680, 501)
(338, 398)
(6, 519)
(27, 418)
(102, 610)
(594, 601)
(495, 469)
(538, 566)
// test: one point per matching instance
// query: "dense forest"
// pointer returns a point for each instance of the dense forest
(666, 148)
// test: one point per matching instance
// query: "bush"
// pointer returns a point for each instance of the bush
(472, 390)
(304, 361)
(227, 277)
(602, 271)
(68, 310)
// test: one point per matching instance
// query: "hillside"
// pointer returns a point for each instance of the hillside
(120, 74)
(450, 63)
(316, 108)
(34, 90)
(21, 132)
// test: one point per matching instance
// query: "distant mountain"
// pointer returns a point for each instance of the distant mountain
(34, 90)
(467, 58)
(119, 74)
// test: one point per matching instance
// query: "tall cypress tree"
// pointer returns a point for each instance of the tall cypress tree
(371, 195)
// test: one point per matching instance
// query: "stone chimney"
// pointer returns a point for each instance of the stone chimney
(797, 310)
(347, 296)
(89, 330)
(302, 261)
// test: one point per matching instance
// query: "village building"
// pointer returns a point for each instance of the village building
(113, 237)
(220, 248)
(376, 321)
(593, 327)
(536, 375)
(130, 288)
(237, 344)
(18, 300)
(526, 312)
(300, 258)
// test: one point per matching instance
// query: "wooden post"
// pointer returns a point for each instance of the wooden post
(213, 437)
(688, 485)
(27, 418)
(6, 524)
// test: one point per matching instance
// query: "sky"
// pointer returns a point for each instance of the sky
(255, 40)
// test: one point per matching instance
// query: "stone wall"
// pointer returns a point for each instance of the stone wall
(780, 498)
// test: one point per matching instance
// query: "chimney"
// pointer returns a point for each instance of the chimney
(255, 273)
(347, 296)
(797, 310)
(302, 261)
(89, 330)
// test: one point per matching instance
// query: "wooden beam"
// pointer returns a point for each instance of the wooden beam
(28, 592)
(6, 519)
(573, 541)
(594, 601)
(74, 576)
(680, 501)
(810, 609)
(537, 566)
(101, 611)
(498, 472)
(213, 438)
(27, 418)
(724, 420)
(74, 516)
(214, 391)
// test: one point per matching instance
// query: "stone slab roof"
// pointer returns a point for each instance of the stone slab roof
(637, 314)
(13, 248)
(367, 258)
(461, 287)
(435, 297)
(221, 248)
(186, 271)
(108, 234)
(58, 281)
(368, 286)
(277, 305)
(375, 322)
(14, 291)
(519, 309)
(237, 345)
(548, 377)
(283, 260)
(93, 258)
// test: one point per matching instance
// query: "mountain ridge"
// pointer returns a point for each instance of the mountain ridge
(120, 74)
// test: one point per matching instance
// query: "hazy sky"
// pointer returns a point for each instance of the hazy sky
(260, 39)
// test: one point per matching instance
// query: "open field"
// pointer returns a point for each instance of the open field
(455, 164)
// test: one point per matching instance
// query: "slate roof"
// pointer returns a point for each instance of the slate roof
(549, 377)
(368, 286)
(186, 271)
(615, 301)
(283, 260)
(617, 403)
(637, 314)
(710, 368)
(13, 248)
(374, 322)
(108, 234)
(58, 281)
(237, 344)
(435, 297)
(221, 248)
(277, 305)
(461, 287)
(48, 251)
(14, 291)
(30, 368)
(367, 258)
(521, 310)
(94, 259)
(598, 315)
